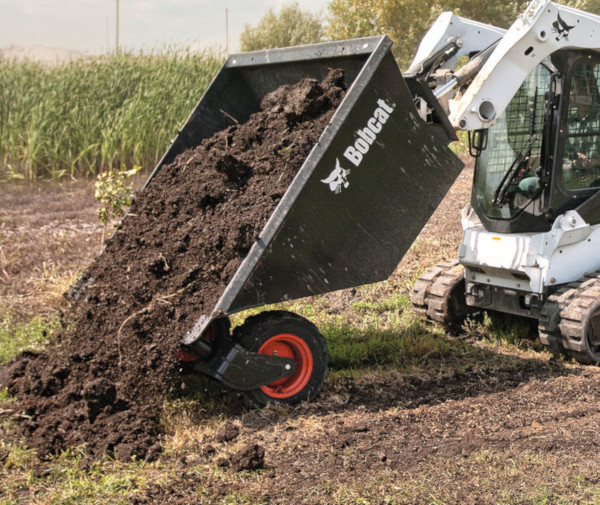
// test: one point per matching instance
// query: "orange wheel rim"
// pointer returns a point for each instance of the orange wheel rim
(286, 345)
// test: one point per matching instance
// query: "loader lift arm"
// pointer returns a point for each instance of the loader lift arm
(530, 233)
(431, 70)
(544, 27)
(481, 94)
(472, 38)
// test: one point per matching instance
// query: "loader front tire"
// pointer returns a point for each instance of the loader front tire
(439, 295)
(288, 335)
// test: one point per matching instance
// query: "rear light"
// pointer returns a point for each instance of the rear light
(185, 356)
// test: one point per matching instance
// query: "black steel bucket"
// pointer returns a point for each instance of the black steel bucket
(364, 192)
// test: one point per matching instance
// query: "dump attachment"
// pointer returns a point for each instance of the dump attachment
(364, 192)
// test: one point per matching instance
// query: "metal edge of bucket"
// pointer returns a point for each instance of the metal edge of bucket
(364, 45)
(379, 48)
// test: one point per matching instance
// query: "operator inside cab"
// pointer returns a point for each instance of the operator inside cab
(581, 160)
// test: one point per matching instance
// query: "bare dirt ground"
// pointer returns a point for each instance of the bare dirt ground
(48, 233)
(475, 422)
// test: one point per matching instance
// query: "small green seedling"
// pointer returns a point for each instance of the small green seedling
(114, 193)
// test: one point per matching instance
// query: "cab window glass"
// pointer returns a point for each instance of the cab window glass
(581, 159)
(522, 122)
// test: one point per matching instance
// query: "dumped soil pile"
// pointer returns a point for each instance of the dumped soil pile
(103, 377)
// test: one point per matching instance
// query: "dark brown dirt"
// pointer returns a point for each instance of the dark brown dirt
(250, 457)
(520, 418)
(542, 415)
(499, 426)
(228, 433)
(102, 380)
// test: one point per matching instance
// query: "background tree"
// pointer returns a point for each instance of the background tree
(406, 21)
(291, 26)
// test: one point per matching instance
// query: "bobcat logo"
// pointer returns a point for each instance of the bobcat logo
(337, 179)
(561, 28)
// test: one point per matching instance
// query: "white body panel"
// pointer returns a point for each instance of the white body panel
(473, 35)
(562, 255)
(542, 29)
(523, 261)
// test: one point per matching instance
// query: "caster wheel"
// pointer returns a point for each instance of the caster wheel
(287, 335)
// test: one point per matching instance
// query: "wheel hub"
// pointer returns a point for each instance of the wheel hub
(286, 345)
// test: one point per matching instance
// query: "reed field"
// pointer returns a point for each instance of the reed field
(92, 114)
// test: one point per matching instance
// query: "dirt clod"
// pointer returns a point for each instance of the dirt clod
(250, 457)
(222, 462)
(208, 450)
(228, 433)
(104, 376)
(360, 428)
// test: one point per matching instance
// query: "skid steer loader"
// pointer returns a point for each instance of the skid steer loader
(531, 104)
(529, 98)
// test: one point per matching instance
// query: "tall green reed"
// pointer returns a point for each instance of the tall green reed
(97, 113)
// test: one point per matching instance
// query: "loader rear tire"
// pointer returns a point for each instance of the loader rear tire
(286, 334)
(570, 320)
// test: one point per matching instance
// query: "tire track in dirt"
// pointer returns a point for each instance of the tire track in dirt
(543, 413)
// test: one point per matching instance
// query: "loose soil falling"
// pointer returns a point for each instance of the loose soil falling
(102, 380)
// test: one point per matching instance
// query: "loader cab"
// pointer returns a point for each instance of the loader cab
(542, 156)
(576, 174)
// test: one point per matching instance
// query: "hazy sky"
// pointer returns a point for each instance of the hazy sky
(82, 24)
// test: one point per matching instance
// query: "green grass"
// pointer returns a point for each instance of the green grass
(64, 481)
(377, 334)
(499, 327)
(392, 338)
(461, 146)
(18, 336)
(97, 113)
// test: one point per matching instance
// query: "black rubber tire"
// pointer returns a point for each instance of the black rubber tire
(439, 295)
(258, 329)
(590, 338)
